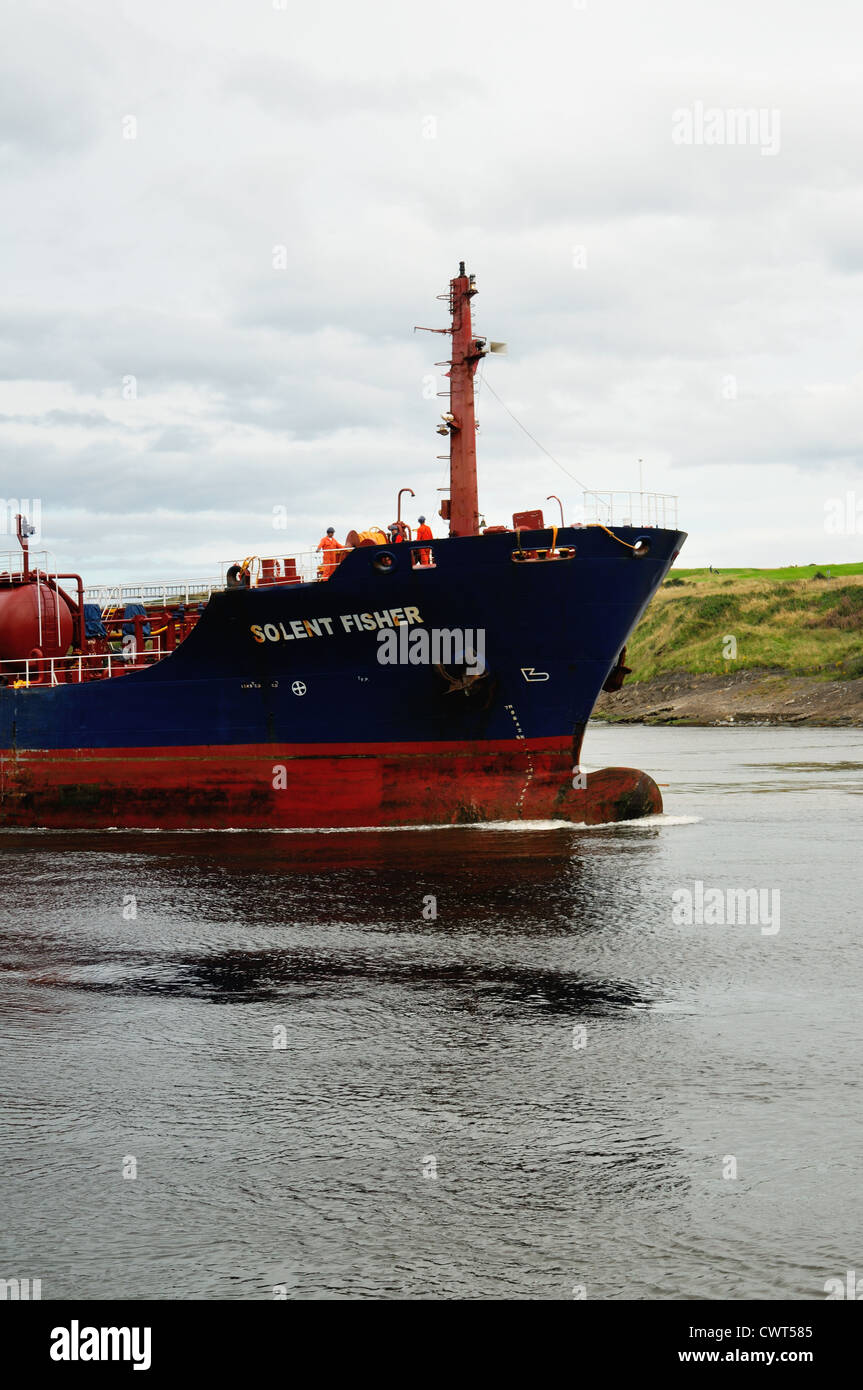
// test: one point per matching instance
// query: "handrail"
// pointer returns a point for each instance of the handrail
(75, 669)
(306, 563)
(621, 507)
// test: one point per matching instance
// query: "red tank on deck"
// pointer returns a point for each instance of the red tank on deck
(35, 620)
(39, 622)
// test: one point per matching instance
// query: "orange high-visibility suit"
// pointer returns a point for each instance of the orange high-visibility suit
(424, 533)
(332, 554)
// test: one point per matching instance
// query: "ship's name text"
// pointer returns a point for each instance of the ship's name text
(323, 627)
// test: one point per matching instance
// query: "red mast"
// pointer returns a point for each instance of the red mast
(462, 506)
(466, 354)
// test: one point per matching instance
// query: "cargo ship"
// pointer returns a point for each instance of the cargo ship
(401, 681)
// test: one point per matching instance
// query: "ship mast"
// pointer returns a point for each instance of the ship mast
(467, 352)
(461, 508)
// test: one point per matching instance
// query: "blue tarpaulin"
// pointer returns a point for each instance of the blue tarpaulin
(135, 610)
(93, 625)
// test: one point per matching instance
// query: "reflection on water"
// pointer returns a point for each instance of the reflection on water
(249, 977)
(459, 1062)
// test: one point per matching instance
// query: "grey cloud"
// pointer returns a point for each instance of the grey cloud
(43, 115)
(302, 388)
(282, 86)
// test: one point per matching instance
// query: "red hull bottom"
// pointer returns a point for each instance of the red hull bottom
(268, 787)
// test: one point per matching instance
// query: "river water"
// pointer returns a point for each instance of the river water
(235, 1064)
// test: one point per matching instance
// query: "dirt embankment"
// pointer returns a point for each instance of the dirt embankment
(744, 697)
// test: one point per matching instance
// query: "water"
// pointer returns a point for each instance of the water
(415, 1046)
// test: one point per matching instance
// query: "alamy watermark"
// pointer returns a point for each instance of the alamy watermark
(77, 1343)
(843, 516)
(737, 125)
(844, 1288)
(28, 507)
(436, 646)
(721, 907)
(20, 1289)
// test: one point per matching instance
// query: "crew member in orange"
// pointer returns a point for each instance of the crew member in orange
(332, 552)
(424, 533)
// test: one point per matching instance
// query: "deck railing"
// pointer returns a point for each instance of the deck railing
(303, 568)
(12, 563)
(74, 670)
(150, 591)
(621, 508)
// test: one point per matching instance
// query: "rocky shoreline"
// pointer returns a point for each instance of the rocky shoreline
(742, 697)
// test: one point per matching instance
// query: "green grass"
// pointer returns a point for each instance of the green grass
(792, 619)
(776, 576)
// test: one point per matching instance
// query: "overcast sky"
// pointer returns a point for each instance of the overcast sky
(667, 293)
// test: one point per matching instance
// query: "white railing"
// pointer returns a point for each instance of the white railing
(302, 567)
(150, 591)
(73, 670)
(163, 591)
(620, 508)
(12, 562)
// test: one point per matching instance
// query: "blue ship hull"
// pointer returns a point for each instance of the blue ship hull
(289, 676)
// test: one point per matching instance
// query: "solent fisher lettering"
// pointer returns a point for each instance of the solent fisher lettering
(299, 628)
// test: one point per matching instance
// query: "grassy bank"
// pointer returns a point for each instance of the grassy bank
(806, 621)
